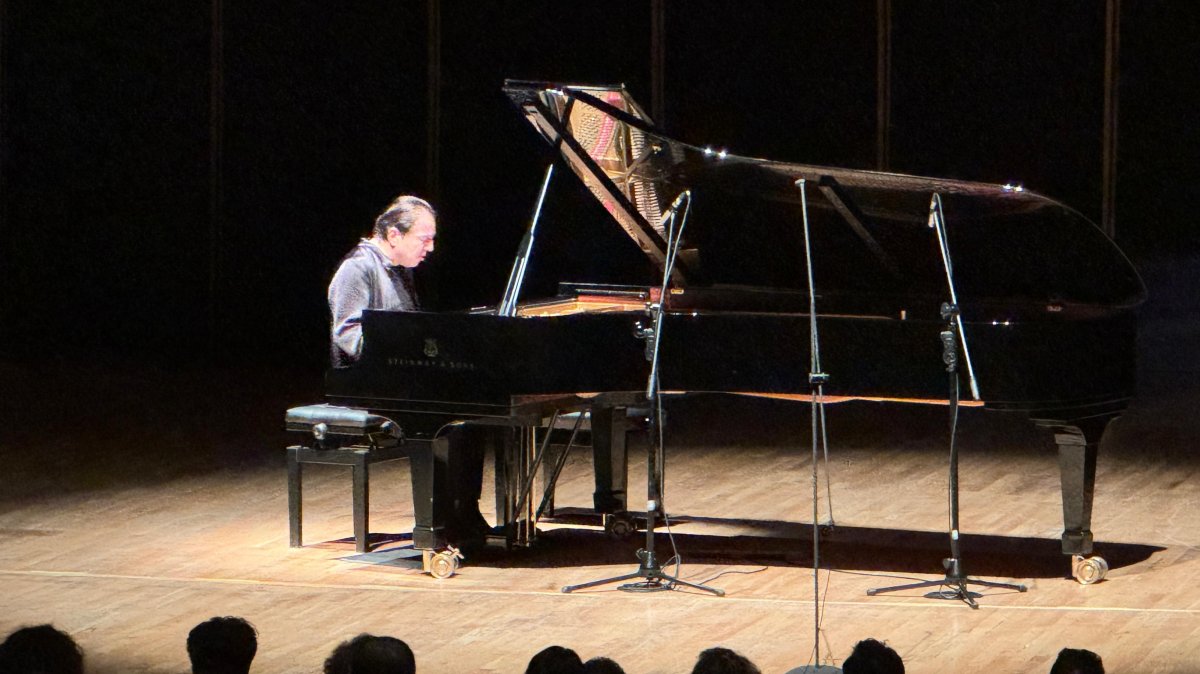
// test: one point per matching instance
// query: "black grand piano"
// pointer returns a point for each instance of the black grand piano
(1047, 301)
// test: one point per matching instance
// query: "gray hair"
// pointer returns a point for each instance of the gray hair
(401, 214)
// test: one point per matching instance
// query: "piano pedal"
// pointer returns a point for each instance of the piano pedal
(441, 564)
(1088, 570)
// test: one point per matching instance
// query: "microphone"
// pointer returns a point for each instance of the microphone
(670, 210)
(933, 204)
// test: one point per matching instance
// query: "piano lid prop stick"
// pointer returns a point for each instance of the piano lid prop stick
(938, 222)
(508, 304)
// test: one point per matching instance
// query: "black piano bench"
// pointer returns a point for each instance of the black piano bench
(346, 437)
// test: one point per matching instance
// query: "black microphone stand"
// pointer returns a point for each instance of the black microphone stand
(654, 577)
(954, 584)
(817, 378)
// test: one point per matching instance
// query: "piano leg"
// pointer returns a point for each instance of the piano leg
(431, 512)
(610, 458)
(1078, 446)
(447, 478)
(611, 427)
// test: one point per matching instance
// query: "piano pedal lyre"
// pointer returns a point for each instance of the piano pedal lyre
(1088, 570)
(441, 563)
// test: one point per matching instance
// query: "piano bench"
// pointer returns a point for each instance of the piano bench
(359, 458)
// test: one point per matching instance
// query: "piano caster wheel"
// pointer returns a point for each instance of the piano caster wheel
(441, 564)
(1088, 570)
(619, 525)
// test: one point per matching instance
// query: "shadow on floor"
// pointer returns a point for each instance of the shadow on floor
(777, 543)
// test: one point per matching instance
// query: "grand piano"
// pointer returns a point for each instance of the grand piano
(1046, 301)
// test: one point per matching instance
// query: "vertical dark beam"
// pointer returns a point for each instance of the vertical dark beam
(4, 196)
(1112, 57)
(216, 143)
(658, 59)
(434, 101)
(883, 84)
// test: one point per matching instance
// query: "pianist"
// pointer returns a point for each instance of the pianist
(377, 274)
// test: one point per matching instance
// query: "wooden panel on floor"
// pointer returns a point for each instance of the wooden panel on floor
(129, 564)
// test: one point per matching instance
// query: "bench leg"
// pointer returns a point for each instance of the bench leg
(362, 504)
(295, 500)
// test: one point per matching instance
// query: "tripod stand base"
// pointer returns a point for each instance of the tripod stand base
(954, 587)
(953, 593)
(654, 579)
(649, 585)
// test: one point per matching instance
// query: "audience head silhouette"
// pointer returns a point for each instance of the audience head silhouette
(42, 649)
(227, 645)
(223, 645)
(369, 654)
(602, 665)
(1077, 661)
(873, 657)
(723, 661)
(555, 660)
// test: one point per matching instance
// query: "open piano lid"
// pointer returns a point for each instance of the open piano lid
(870, 230)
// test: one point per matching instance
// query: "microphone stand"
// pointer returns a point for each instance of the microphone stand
(816, 381)
(654, 577)
(954, 584)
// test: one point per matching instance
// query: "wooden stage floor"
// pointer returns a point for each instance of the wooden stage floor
(156, 499)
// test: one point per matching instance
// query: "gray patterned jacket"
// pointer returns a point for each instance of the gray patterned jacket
(364, 280)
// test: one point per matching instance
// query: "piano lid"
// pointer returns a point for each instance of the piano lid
(870, 232)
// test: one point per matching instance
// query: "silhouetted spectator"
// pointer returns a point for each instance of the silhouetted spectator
(369, 654)
(723, 661)
(41, 649)
(222, 646)
(1077, 661)
(873, 657)
(602, 665)
(555, 660)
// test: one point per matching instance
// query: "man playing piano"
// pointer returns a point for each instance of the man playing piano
(377, 274)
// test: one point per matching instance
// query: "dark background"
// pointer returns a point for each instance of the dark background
(135, 227)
